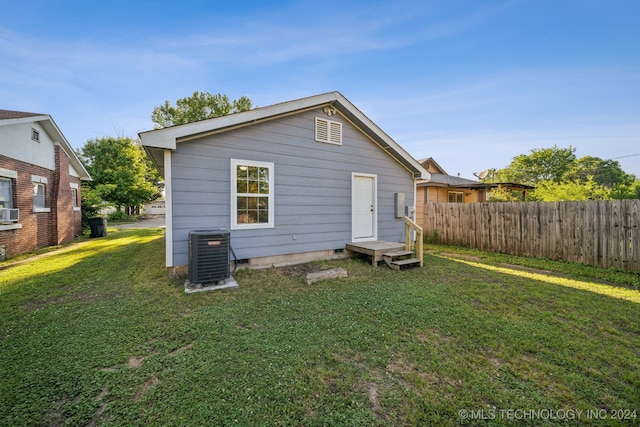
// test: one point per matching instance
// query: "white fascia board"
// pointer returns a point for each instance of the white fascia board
(58, 137)
(29, 119)
(168, 137)
(370, 126)
(50, 126)
(159, 138)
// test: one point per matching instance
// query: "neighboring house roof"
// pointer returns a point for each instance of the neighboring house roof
(432, 166)
(439, 178)
(9, 117)
(444, 180)
(8, 114)
(156, 141)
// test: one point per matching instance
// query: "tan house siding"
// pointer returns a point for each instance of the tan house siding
(438, 192)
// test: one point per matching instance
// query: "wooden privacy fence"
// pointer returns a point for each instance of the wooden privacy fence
(601, 233)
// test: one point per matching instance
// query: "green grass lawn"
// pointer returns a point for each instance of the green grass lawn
(98, 334)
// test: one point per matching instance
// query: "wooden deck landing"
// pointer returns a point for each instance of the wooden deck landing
(375, 249)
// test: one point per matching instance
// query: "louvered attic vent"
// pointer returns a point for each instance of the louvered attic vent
(328, 131)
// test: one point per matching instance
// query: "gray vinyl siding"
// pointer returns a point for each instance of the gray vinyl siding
(312, 186)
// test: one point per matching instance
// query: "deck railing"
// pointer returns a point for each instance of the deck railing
(409, 226)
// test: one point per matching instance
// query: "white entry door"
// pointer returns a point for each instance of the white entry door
(363, 207)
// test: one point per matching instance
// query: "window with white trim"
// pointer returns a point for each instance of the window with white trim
(39, 192)
(328, 131)
(6, 193)
(38, 195)
(252, 197)
(74, 196)
(456, 196)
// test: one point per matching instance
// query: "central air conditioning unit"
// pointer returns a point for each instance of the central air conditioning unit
(208, 256)
(9, 215)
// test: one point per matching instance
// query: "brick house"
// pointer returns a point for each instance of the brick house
(39, 184)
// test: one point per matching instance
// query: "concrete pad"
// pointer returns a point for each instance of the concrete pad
(192, 288)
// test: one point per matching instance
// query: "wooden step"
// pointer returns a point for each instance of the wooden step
(400, 260)
(404, 264)
(397, 254)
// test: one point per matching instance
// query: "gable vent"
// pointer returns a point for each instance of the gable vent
(328, 131)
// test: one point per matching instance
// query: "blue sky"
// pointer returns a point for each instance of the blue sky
(469, 83)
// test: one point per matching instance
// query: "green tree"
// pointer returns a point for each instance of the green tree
(558, 175)
(91, 203)
(199, 106)
(543, 164)
(605, 172)
(122, 173)
(630, 190)
(549, 191)
(503, 194)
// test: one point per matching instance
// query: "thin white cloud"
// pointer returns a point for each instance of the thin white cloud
(83, 59)
(276, 38)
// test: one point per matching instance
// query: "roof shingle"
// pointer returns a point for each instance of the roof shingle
(9, 114)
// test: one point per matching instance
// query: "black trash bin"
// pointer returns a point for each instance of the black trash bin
(98, 226)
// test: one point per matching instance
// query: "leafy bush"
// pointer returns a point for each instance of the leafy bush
(90, 202)
(117, 216)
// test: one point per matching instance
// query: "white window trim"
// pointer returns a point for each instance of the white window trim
(5, 227)
(234, 201)
(75, 202)
(40, 180)
(11, 175)
(8, 173)
(11, 195)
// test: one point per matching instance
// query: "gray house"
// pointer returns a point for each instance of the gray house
(293, 182)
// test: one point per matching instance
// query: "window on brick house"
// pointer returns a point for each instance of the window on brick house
(39, 192)
(74, 197)
(38, 195)
(6, 193)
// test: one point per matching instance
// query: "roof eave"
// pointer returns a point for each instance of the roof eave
(157, 158)
(380, 137)
(54, 132)
(58, 137)
(168, 138)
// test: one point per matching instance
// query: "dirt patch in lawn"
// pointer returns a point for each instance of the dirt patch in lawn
(301, 270)
(146, 387)
(181, 349)
(461, 256)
